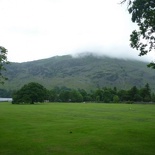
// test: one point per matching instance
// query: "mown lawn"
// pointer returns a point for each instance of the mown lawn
(77, 129)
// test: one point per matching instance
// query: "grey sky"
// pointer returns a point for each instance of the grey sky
(37, 29)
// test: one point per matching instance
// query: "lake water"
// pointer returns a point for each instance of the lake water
(5, 99)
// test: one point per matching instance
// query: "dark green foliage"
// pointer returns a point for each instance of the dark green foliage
(133, 94)
(64, 94)
(146, 93)
(104, 95)
(75, 96)
(143, 14)
(136, 95)
(153, 97)
(85, 95)
(116, 99)
(3, 62)
(34, 92)
(30, 93)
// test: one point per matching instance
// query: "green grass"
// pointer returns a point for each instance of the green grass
(97, 129)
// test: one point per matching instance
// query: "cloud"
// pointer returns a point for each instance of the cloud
(36, 29)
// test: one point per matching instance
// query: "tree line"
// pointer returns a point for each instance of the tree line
(34, 92)
(104, 95)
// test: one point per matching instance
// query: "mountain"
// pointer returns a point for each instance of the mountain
(85, 72)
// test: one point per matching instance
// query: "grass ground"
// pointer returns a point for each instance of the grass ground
(77, 129)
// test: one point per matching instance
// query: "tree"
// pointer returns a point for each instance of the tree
(84, 94)
(52, 95)
(143, 13)
(116, 99)
(107, 95)
(75, 96)
(123, 95)
(65, 95)
(3, 62)
(98, 95)
(30, 93)
(146, 93)
(134, 94)
(153, 97)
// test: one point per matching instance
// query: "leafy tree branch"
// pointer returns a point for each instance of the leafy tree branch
(3, 62)
(143, 14)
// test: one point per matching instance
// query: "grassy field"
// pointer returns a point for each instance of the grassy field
(77, 129)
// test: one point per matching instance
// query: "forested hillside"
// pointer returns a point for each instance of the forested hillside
(88, 73)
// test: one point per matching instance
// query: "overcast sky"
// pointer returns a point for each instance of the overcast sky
(37, 29)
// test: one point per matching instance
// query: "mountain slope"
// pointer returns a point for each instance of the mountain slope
(86, 72)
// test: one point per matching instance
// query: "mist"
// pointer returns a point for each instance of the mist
(38, 29)
(114, 52)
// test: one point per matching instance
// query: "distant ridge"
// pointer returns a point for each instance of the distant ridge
(84, 72)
